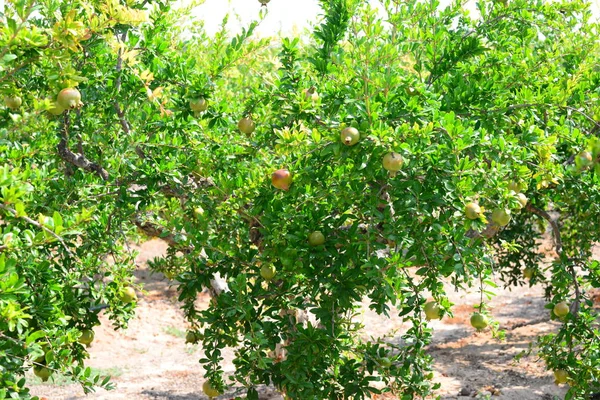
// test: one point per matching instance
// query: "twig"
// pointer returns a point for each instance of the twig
(35, 223)
(2, 248)
(119, 67)
(592, 120)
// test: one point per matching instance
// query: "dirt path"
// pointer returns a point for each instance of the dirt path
(150, 361)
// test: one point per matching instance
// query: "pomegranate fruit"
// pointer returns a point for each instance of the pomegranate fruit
(561, 309)
(267, 272)
(479, 321)
(432, 310)
(198, 105)
(13, 102)
(209, 390)
(69, 98)
(281, 179)
(246, 125)
(316, 238)
(472, 210)
(128, 295)
(501, 216)
(393, 163)
(87, 337)
(350, 136)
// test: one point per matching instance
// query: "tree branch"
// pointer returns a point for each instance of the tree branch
(154, 230)
(559, 250)
(37, 224)
(555, 230)
(77, 160)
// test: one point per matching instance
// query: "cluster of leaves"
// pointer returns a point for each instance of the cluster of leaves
(471, 104)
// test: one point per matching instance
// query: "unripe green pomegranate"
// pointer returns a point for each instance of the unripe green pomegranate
(268, 272)
(199, 105)
(316, 238)
(128, 295)
(350, 136)
(515, 186)
(472, 210)
(246, 125)
(522, 200)
(393, 163)
(13, 102)
(209, 390)
(501, 216)
(56, 109)
(69, 98)
(42, 372)
(479, 321)
(560, 376)
(87, 337)
(432, 310)
(561, 309)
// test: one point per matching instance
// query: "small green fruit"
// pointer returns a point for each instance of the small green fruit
(393, 162)
(42, 372)
(128, 295)
(385, 362)
(479, 321)
(561, 309)
(350, 136)
(209, 390)
(560, 376)
(56, 109)
(515, 187)
(316, 238)
(87, 337)
(246, 125)
(501, 216)
(198, 105)
(432, 310)
(472, 210)
(191, 337)
(13, 102)
(198, 212)
(268, 272)
(528, 272)
(522, 200)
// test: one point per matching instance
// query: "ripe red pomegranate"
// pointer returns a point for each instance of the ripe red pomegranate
(281, 179)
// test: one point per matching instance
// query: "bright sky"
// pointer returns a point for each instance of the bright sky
(283, 15)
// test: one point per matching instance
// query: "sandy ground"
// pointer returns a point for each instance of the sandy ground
(150, 360)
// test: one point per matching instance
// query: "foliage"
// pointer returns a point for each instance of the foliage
(470, 103)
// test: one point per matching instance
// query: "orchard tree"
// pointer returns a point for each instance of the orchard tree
(392, 151)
